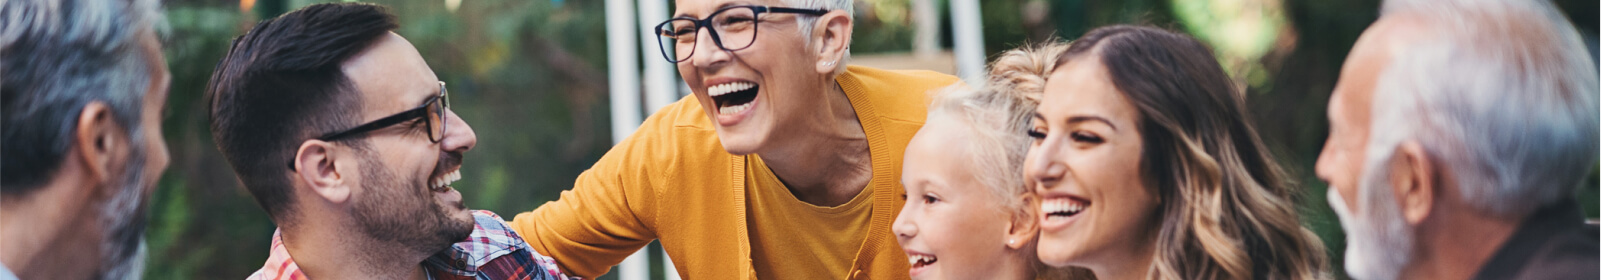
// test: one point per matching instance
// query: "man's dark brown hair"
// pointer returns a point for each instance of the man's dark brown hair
(281, 84)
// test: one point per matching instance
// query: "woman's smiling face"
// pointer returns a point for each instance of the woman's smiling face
(1096, 207)
(752, 95)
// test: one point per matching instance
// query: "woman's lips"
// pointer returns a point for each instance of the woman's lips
(1057, 212)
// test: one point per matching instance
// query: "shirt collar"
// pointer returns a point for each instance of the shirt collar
(491, 238)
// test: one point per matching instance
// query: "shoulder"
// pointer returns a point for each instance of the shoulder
(1572, 254)
(678, 132)
(901, 95)
(493, 248)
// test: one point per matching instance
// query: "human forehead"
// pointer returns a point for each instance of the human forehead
(938, 152)
(701, 8)
(391, 76)
(1082, 86)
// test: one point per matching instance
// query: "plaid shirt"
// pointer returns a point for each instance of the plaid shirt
(492, 252)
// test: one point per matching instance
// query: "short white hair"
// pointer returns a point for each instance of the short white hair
(805, 22)
(1503, 94)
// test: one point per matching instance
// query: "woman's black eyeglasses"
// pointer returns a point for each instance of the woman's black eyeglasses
(432, 113)
(732, 29)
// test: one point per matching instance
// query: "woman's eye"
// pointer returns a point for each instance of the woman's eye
(1087, 138)
(1036, 134)
(738, 19)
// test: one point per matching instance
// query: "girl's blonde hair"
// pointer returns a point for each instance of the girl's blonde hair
(996, 118)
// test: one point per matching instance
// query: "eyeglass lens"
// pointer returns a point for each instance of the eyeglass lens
(733, 29)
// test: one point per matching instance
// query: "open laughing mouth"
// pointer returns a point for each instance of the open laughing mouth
(442, 183)
(919, 261)
(1060, 209)
(733, 98)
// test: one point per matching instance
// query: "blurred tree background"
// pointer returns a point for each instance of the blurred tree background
(530, 77)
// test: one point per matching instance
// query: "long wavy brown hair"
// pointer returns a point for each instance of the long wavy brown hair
(1227, 211)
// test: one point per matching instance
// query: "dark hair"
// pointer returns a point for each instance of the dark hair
(58, 58)
(1227, 212)
(281, 83)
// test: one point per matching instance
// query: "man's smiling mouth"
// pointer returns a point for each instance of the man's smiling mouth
(442, 182)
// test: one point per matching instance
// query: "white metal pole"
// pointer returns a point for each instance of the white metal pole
(925, 43)
(622, 68)
(968, 33)
(660, 89)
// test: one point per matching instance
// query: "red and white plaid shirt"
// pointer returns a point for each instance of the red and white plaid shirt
(492, 252)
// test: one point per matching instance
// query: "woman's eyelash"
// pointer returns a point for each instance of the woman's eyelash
(1086, 137)
(1036, 134)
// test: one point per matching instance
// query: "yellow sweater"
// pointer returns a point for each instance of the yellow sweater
(671, 180)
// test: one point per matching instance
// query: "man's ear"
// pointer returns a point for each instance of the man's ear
(832, 35)
(1412, 175)
(101, 143)
(317, 166)
(1024, 225)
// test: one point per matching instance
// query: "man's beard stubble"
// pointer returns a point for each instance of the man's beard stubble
(1379, 242)
(123, 249)
(404, 212)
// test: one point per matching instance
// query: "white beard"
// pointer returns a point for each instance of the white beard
(1379, 243)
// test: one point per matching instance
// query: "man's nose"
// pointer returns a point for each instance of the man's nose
(459, 136)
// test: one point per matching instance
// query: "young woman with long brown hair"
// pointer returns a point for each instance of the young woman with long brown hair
(1148, 167)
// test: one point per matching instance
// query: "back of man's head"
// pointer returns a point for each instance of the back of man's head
(281, 84)
(60, 55)
(1501, 92)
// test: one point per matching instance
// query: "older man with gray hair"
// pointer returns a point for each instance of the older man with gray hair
(1459, 131)
(83, 85)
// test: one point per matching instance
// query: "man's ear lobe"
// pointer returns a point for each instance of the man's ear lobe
(833, 38)
(1413, 176)
(317, 168)
(100, 141)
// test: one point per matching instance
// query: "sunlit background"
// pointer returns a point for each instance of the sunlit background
(531, 78)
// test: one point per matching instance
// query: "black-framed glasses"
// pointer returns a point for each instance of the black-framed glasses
(732, 29)
(432, 113)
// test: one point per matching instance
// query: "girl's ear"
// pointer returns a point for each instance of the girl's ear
(1024, 226)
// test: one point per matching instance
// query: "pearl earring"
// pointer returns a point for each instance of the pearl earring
(1011, 241)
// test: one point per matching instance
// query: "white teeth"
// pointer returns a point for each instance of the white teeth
(915, 259)
(445, 180)
(1061, 206)
(729, 110)
(719, 90)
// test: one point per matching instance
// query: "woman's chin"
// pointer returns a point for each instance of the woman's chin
(741, 140)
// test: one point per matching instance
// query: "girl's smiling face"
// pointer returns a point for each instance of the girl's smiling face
(952, 227)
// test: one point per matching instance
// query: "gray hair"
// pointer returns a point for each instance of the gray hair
(1502, 94)
(805, 22)
(59, 55)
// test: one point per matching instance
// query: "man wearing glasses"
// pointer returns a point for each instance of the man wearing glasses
(371, 150)
(784, 164)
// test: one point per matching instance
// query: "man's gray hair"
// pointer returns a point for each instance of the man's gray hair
(1503, 94)
(56, 56)
(806, 22)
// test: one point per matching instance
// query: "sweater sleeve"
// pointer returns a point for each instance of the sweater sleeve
(610, 211)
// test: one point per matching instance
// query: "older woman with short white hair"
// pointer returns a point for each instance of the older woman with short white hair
(783, 164)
